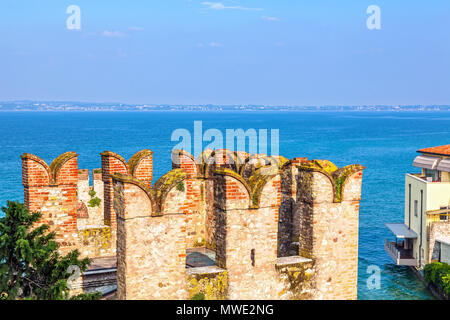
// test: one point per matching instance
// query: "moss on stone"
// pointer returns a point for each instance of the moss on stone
(130, 179)
(282, 161)
(180, 186)
(210, 286)
(117, 156)
(199, 244)
(38, 160)
(340, 177)
(137, 158)
(99, 238)
(57, 164)
(257, 182)
(298, 279)
(337, 177)
(326, 165)
(199, 296)
(164, 184)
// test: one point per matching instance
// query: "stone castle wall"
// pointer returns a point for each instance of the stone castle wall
(279, 228)
(436, 229)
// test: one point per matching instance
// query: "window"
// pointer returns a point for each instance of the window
(444, 217)
(416, 208)
(434, 175)
(429, 173)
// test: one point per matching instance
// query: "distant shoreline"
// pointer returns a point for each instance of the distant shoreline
(222, 111)
(72, 106)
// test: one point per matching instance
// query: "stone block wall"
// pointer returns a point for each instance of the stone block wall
(327, 208)
(436, 229)
(61, 193)
(297, 278)
(247, 239)
(89, 212)
(280, 229)
(52, 190)
(151, 247)
(210, 283)
(139, 166)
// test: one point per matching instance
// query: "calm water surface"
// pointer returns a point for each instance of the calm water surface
(385, 143)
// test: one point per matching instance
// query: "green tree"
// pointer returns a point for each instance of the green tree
(30, 265)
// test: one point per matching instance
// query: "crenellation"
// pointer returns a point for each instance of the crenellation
(278, 228)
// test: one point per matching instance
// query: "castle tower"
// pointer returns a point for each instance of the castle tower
(52, 190)
(139, 166)
(151, 238)
(246, 233)
(327, 216)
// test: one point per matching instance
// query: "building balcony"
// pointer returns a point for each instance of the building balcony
(401, 256)
(401, 251)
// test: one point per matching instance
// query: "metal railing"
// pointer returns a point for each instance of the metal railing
(390, 246)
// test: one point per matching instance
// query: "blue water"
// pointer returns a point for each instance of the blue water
(385, 143)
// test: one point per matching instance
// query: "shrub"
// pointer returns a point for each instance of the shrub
(438, 273)
(95, 201)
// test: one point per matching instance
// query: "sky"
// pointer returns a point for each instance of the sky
(267, 52)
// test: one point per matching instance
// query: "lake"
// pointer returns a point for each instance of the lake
(384, 142)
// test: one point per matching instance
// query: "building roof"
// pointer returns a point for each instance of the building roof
(401, 231)
(444, 165)
(443, 239)
(426, 162)
(441, 150)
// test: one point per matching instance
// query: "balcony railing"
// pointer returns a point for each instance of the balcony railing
(401, 256)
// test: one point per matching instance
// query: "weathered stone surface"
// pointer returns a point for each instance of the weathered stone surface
(211, 282)
(278, 228)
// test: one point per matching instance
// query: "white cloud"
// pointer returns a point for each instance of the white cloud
(215, 44)
(270, 18)
(113, 34)
(221, 6)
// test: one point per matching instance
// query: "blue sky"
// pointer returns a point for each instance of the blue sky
(280, 52)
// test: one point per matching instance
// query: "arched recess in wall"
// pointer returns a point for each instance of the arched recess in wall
(61, 167)
(40, 171)
(162, 188)
(119, 196)
(181, 159)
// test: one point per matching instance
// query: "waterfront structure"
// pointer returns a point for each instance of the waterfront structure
(423, 237)
(227, 225)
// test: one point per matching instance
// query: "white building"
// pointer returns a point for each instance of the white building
(424, 235)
